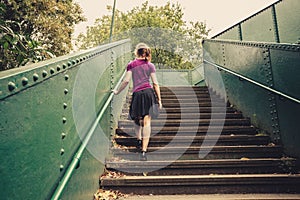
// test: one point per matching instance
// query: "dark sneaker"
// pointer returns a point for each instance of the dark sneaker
(143, 156)
(138, 145)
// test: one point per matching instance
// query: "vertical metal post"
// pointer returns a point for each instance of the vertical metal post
(112, 21)
(276, 31)
(240, 32)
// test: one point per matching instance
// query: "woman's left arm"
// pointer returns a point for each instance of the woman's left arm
(156, 88)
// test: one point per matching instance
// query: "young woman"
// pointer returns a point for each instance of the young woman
(144, 104)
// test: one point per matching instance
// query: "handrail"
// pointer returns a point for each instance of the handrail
(252, 81)
(86, 140)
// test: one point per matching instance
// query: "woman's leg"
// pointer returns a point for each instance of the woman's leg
(138, 133)
(146, 132)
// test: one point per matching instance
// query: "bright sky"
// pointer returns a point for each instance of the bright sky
(218, 14)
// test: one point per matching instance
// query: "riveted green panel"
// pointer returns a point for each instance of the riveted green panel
(213, 51)
(289, 113)
(286, 70)
(85, 178)
(288, 16)
(275, 66)
(259, 28)
(231, 34)
(214, 79)
(286, 74)
(247, 60)
(38, 133)
(251, 100)
(277, 23)
(30, 142)
(95, 80)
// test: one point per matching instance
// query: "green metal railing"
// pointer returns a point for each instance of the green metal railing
(277, 23)
(252, 81)
(261, 80)
(258, 59)
(44, 127)
(76, 160)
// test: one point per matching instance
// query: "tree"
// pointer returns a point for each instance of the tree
(35, 25)
(163, 28)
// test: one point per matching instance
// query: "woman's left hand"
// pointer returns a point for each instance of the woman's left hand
(160, 105)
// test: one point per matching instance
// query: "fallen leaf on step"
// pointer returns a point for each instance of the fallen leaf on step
(244, 158)
(108, 195)
(271, 144)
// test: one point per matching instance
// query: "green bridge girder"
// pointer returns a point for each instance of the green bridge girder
(38, 127)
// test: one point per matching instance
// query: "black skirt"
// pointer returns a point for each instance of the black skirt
(143, 103)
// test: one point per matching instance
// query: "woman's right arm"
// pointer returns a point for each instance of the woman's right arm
(124, 83)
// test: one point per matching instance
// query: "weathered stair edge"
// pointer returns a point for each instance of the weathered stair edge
(205, 184)
(203, 167)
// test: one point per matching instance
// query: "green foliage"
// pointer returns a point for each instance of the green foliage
(163, 28)
(31, 29)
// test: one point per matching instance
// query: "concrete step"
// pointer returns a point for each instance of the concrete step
(202, 167)
(231, 140)
(189, 122)
(183, 88)
(172, 152)
(164, 116)
(188, 110)
(193, 130)
(204, 184)
(185, 99)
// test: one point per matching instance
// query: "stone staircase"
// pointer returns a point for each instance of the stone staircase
(199, 145)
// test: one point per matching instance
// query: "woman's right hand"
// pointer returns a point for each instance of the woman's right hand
(115, 92)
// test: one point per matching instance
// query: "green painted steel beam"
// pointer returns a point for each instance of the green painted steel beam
(261, 80)
(38, 134)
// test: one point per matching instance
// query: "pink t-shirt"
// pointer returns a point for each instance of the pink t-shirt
(141, 71)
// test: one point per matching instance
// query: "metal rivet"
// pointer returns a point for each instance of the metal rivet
(58, 68)
(65, 105)
(52, 71)
(63, 135)
(69, 63)
(73, 62)
(24, 81)
(64, 120)
(11, 86)
(64, 66)
(66, 91)
(35, 77)
(62, 151)
(44, 73)
(66, 77)
(61, 167)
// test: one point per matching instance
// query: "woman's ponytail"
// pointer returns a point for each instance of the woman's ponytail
(143, 50)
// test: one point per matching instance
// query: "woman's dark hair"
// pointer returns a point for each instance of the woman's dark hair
(142, 50)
